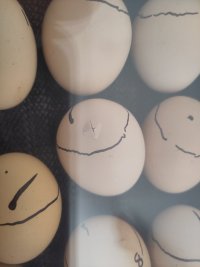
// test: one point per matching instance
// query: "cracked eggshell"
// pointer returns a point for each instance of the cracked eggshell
(18, 54)
(106, 241)
(100, 145)
(171, 132)
(86, 43)
(166, 41)
(30, 207)
(175, 237)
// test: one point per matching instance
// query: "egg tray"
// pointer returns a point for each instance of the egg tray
(31, 128)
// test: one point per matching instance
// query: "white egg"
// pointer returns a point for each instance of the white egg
(171, 132)
(166, 41)
(101, 146)
(106, 241)
(18, 54)
(175, 238)
(86, 43)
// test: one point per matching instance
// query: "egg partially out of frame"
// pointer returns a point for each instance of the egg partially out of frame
(166, 41)
(175, 237)
(100, 145)
(106, 241)
(18, 55)
(86, 43)
(171, 132)
(30, 207)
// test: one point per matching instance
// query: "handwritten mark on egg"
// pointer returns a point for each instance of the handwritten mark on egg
(168, 14)
(171, 255)
(111, 5)
(100, 150)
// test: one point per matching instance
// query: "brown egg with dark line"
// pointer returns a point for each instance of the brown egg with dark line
(30, 207)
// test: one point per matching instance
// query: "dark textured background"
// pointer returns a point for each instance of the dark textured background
(31, 128)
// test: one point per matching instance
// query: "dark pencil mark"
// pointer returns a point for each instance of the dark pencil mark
(27, 21)
(168, 14)
(187, 152)
(197, 215)
(157, 123)
(13, 204)
(173, 256)
(111, 5)
(139, 241)
(33, 215)
(5, 171)
(86, 229)
(71, 120)
(100, 150)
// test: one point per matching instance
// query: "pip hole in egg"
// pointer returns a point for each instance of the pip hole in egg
(99, 133)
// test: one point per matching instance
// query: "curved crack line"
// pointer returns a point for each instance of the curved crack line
(171, 255)
(33, 215)
(187, 152)
(196, 214)
(111, 5)
(158, 124)
(138, 238)
(168, 14)
(100, 150)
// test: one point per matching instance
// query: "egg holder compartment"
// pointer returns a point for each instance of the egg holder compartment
(31, 128)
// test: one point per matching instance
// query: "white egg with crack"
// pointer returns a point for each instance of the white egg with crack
(175, 237)
(171, 131)
(166, 41)
(101, 146)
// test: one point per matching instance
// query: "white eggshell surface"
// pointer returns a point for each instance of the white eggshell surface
(171, 131)
(166, 41)
(30, 207)
(86, 43)
(18, 56)
(100, 145)
(106, 241)
(175, 238)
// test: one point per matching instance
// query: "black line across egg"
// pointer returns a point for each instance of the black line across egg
(30, 207)
(175, 237)
(166, 41)
(100, 145)
(171, 132)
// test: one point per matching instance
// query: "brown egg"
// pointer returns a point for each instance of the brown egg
(18, 55)
(30, 207)
(106, 241)
(101, 146)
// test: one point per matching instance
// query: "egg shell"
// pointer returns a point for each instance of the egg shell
(100, 145)
(171, 132)
(30, 207)
(166, 41)
(18, 54)
(175, 237)
(86, 43)
(106, 241)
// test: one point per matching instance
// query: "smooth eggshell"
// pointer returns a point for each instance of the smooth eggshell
(28, 218)
(100, 145)
(106, 241)
(175, 238)
(171, 132)
(18, 54)
(86, 43)
(166, 41)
